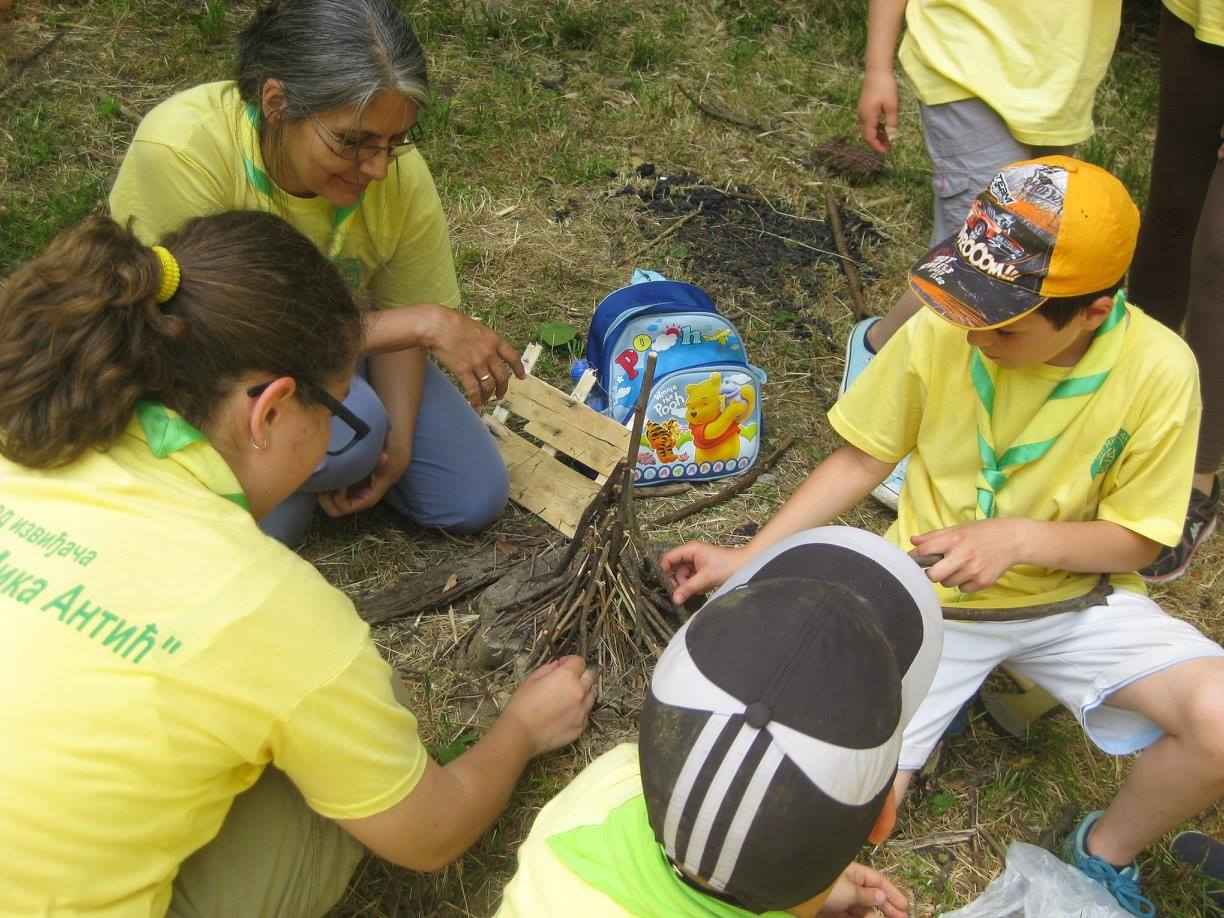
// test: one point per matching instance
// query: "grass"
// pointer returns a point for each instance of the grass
(544, 111)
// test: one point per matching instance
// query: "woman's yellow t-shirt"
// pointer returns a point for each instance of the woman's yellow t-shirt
(1127, 457)
(1036, 63)
(189, 158)
(159, 651)
(1206, 17)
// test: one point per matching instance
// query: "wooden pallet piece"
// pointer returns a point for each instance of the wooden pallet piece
(568, 426)
(539, 481)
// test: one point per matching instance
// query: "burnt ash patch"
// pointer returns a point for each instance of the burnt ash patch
(740, 243)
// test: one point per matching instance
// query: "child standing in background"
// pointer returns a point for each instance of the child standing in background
(997, 82)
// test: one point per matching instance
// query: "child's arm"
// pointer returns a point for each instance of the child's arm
(878, 99)
(837, 484)
(977, 554)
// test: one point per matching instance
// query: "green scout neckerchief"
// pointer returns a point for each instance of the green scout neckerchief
(170, 436)
(621, 858)
(1064, 402)
(262, 183)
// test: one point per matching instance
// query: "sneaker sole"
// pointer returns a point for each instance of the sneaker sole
(886, 497)
(1178, 572)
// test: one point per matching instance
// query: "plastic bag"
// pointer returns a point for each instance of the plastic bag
(1036, 883)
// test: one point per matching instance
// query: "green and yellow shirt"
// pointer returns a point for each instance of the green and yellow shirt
(158, 652)
(1126, 457)
(591, 852)
(198, 153)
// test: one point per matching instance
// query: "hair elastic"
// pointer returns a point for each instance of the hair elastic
(170, 276)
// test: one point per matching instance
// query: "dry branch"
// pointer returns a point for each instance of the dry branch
(740, 484)
(670, 231)
(605, 598)
(839, 237)
(422, 592)
(718, 113)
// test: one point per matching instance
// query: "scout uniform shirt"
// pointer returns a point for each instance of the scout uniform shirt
(1206, 17)
(158, 652)
(591, 852)
(1126, 457)
(198, 153)
(1037, 63)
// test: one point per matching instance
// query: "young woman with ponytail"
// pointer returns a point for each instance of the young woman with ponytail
(320, 127)
(158, 650)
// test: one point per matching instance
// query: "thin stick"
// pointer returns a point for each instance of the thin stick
(839, 237)
(635, 435)
(718, 113)
(601, 499)
(20, 65)
(728, 492)
(670, 231)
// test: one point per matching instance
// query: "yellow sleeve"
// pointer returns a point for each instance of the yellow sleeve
(350, 747)
(881, 411)
(162, 187)
(420, 268)
(1148, 488)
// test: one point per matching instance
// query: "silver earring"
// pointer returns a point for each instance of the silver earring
(257, 446)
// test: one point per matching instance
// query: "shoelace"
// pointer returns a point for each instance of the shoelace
(1123, 888)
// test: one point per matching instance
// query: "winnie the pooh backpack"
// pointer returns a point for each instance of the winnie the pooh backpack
(703, 414)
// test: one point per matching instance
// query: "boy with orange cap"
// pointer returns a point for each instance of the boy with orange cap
(1052, 426)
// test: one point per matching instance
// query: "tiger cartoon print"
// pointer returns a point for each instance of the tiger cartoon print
(663, 439)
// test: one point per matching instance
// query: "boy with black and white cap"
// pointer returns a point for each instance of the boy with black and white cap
(1051, 427)
(769, 743)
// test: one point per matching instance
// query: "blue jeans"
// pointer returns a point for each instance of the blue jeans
(456, 481)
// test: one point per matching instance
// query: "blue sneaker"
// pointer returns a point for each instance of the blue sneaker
(1122, 884)
(858, 355)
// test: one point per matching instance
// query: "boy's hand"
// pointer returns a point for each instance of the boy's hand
(976, 554)
(863, 891)
(698, 567)
(877, 109)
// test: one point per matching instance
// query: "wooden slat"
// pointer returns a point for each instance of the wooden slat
(593, 439)
(552, 491)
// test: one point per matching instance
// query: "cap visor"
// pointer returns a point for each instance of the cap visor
(965, 296)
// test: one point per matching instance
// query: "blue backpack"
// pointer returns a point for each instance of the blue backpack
(703, 416)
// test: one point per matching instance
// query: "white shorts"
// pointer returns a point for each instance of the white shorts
(1078, 657)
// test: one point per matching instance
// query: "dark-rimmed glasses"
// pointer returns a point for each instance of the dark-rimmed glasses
(327, 400)
(357, 152)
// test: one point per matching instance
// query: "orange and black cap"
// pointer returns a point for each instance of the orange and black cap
(1050, 227)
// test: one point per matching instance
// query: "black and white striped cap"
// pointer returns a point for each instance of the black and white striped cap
(772, 729)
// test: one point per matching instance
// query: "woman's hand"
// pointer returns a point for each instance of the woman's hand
(863, 891)
(877, 109)
(392, 465)
(698, 567)
(478, 357)
(976, 554)
(552, 704)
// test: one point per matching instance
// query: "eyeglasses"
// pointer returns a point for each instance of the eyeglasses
(357, 152)
(327, 400)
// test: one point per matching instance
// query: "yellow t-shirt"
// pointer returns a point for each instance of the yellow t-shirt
(1127, 457)
(1206, 17)
(158, 652)
(543, 885)
(1037, 63)
(187, 160)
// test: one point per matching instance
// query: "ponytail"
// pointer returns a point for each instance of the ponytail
(83, 336)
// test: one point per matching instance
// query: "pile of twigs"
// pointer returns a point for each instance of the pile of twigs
(606, 599)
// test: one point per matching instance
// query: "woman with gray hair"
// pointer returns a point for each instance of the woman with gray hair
(320, 127)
